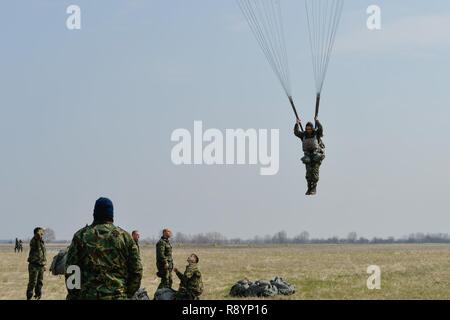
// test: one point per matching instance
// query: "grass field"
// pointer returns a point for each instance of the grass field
(317, 271)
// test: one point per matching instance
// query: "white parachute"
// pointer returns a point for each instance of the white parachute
(265, 20)
(323, 21)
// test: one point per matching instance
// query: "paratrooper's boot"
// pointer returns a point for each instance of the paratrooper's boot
(29, 295)
(313, 189)
(308, 192)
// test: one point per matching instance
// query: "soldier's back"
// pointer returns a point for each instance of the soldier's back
(106, 255)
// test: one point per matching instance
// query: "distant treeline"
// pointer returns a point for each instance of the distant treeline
(215, 238)
(303, 238)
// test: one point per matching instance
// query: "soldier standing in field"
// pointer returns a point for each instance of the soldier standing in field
(136, 235)
(191, 285)
(164, 260)
(20, 249)
(36, 264)
(107, 256)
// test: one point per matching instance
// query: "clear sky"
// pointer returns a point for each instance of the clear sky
(89, 113)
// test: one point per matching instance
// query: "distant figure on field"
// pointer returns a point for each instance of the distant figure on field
(191, 285)
(164, 260)
(136, 235)
(107, 256)
(20, 245)
(36, 264)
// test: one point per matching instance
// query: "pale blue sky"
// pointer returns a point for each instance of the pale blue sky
(89, 113)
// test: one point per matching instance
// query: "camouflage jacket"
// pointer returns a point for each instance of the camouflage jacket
(164, 254)
(317, 134)
(37, 255)
(191, 280)
(109, 262)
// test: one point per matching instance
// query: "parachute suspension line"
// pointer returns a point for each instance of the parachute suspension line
(323, 18)
(295, 111)
(265, 20)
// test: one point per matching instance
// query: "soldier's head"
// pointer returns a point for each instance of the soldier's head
(136, 235)
(167, 233)
(193, 258)
(309, 128)
(38, 232)
(104, 210)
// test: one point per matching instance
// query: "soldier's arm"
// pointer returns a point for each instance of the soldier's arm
(44, 254)
(160, 252)
(33, 251)
(72, 260)
(299, 134)
(181, 276)
(134, 269)
(319, 129)
(32, 245)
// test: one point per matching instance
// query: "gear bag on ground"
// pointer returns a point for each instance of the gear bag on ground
(141, 294)
(262, 288)
(165, 294)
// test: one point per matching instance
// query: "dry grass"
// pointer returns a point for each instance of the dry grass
(318, 271)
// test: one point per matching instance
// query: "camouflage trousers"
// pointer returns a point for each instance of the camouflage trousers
(35, 280)
(166, 279)
(313, 172)
(312, 163)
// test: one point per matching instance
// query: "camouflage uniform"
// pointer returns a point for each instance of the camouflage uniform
(109, 262)
(137, 245)
(191, 285)
(314, 153)
(164, 262)
(36, 267)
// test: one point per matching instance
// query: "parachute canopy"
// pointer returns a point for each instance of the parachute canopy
(323, 20)
(265, 20)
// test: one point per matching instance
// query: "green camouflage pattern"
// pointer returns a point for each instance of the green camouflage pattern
(312, 173)
(312, 163)
(166, 279)
(137, 244)
(191, 285)
(109, 261)
(35, 280)
(164, 258)
(312, 160)
(38, 254)
(164, 263)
